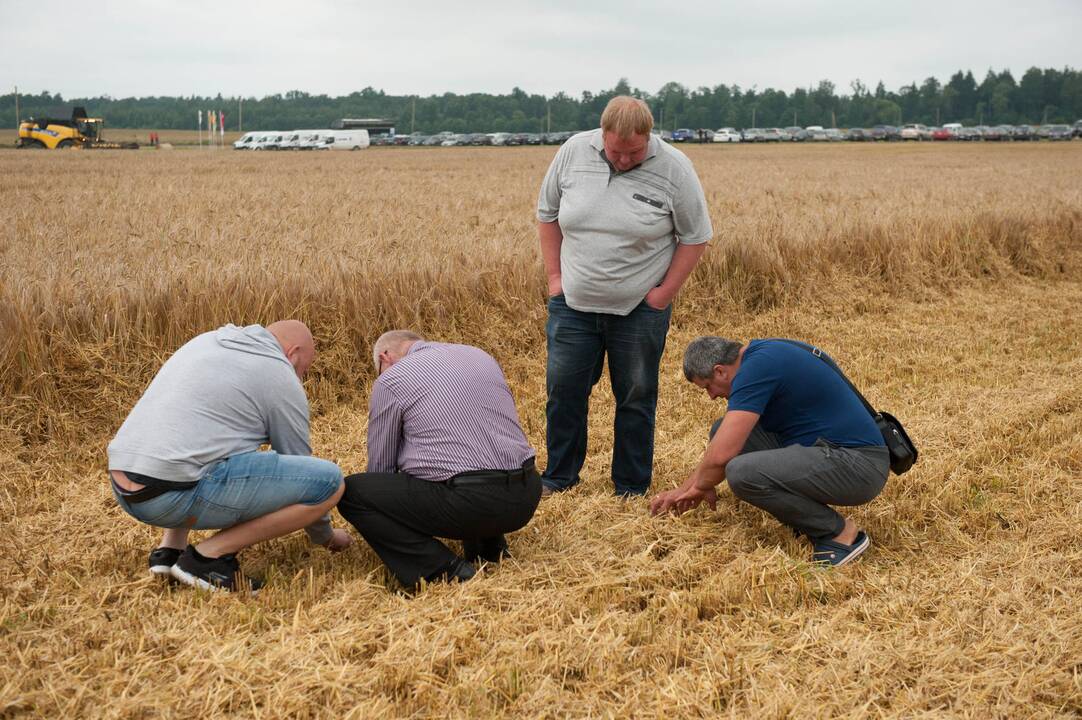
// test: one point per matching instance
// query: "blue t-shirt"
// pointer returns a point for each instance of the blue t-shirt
(799, 397)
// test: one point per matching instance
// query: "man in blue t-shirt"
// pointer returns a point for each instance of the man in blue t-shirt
(794, 440)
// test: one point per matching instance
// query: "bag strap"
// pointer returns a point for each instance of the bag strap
(827, 359)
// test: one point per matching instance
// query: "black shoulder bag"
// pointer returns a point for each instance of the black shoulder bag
(903, 453)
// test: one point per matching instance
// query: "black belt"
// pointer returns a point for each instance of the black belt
(152, 487)
(488, 477)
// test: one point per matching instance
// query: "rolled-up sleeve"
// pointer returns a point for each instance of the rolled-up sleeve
(691, 217)
(548, 200)
(384, 428)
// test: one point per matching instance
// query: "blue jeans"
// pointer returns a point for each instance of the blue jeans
(240, 488)
(577, 345)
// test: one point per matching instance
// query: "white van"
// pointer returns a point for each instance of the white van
(344, 140)
(291, 140)
(263, 139)
(246, 141)
(311, 139)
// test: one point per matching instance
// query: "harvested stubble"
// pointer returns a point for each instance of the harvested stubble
(945, 279)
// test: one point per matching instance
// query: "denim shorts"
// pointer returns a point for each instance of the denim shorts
(240, 488)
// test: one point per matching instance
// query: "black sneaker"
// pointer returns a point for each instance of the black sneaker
(221, 573)
(162, 561)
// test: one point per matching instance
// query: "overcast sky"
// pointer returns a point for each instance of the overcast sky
(183, 47)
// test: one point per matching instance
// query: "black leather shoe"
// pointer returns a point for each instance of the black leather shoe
(458, 571)
(490, 549)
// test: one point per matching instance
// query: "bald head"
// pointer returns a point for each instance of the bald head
(391, 347)
(297, 344)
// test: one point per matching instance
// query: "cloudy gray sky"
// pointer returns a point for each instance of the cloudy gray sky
(159, 47)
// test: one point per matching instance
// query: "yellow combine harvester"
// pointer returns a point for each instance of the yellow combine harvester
(79, 132)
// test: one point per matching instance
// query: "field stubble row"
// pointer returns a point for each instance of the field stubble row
(946, 280)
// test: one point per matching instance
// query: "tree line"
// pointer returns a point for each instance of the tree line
(1041, 96)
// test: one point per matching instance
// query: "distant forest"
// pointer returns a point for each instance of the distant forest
(1040, 96)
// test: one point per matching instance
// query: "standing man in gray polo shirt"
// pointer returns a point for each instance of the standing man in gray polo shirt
(622, 223)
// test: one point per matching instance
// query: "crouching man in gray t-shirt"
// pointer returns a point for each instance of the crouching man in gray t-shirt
(188, 454)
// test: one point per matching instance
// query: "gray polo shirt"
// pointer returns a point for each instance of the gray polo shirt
(620, 228)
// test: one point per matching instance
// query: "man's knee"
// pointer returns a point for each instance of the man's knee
(743, 476)
(353, 492)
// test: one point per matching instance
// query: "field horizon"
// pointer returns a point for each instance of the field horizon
(945, 279)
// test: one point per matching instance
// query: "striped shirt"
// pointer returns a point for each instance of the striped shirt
(442, 410)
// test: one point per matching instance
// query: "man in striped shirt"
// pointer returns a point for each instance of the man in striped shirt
(446, 458)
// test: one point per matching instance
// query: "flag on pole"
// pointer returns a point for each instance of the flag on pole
(221, 122)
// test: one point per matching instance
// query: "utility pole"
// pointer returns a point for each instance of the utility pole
(240, 115)
(833, 119)
(18, 118)
(548, 122)
(794, 118)
(413, 115)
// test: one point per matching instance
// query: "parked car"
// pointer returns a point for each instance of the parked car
(996, 134)
(796, 133)
(435, 140)
(817, 134)
(726, 135)
(499, 138)
(942, 133)
(886, 133)
(967, 134)
(1077, 128)
(916, 131)
(834, 135)
(859, 135)
(682, 135)
(1059, 132)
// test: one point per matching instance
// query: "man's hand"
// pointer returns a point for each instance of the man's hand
(694, 495)
(340, 540)
(663, 501)
(658, 298)
(556, 286)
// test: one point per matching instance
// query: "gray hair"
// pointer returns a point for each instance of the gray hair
(703, 353)
(392, 341)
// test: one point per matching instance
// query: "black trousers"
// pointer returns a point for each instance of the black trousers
(401, 516)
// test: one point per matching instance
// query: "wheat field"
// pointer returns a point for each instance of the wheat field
(945, 279)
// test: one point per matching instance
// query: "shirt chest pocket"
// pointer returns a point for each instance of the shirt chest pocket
(649, 207)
